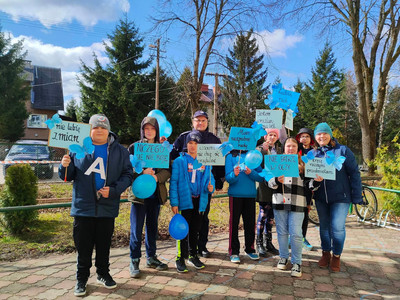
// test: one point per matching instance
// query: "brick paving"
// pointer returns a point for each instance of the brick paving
(370, 270)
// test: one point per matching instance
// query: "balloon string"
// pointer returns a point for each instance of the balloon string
(240, 153)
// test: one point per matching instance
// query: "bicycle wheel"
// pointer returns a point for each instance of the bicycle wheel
(367, 210)
(313, 215)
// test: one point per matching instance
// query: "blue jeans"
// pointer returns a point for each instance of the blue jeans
(332, 230)
(289, 223)
(149, 210)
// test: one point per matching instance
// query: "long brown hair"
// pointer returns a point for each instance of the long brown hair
(301, 163)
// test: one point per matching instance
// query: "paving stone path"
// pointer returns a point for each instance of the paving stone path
(370, 270)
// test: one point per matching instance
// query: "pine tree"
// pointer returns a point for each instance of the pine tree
(118, 90)
(71, 109)
(244, 88)
(14, 90)
(320, 100)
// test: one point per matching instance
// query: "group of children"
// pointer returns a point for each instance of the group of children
(286, 198)
(101, 177)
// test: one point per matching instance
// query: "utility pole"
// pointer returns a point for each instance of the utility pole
(216, 86)
(157, 73)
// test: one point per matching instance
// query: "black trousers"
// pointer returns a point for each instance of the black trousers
(189, 245)
(203, 234)
(305, 224)
(245, 207)
(90, 233)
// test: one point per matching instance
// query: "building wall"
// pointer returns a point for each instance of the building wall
(37, 133)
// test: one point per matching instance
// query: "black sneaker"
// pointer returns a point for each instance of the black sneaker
(204, 253)
(134, 268)
(180, 265)
(153, 262)
(195, 262)
(80, 289)
(107, 281)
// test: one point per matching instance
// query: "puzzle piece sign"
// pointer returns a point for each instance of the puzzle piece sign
(282, 98)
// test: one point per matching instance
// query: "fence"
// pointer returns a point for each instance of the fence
(44, 160)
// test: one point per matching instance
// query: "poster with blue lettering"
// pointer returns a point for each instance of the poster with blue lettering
(63, 134)
(153, 155)
(282, 98)
(317, 166)
(269, 118)
(242, 138)
(282, 164)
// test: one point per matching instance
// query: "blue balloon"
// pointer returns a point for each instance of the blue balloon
(166, 130)
(253, 159)
(161, 120)
(144, 186)
(178, 227)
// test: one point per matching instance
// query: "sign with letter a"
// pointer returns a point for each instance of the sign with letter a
(93, 168)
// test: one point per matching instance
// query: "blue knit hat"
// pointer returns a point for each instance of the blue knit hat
(323, 127)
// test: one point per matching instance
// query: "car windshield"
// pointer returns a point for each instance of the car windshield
(29, 149)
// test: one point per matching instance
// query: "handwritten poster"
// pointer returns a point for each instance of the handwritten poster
(210, 155)
(282, 164)
(64, 134)
(289, 119)
(154, 155)
(242, 138)
(318, 166)
(269, 118)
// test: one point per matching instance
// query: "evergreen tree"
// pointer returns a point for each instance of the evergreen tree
(71, 109)
(298, 121)
(119, 89)
(244, 88)
(320, 100)
(14, 90)
(391, 121)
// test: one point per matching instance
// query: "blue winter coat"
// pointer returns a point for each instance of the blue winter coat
(347, 187)
(179, 186)
(85, 202)
(241, 186)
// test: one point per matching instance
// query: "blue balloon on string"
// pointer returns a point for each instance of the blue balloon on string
(253, 159)
(156, 113)
(178, 227)
(144, 186)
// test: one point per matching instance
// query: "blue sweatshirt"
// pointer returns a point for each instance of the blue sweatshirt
(241, 186)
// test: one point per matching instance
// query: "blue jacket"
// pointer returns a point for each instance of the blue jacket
(179, 188)
(85, 202)
(347, 187)
(241, 186)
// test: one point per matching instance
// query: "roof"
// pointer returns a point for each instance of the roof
(47, 92)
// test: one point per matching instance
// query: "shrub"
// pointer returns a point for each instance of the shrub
(389, 167)
(21, 188)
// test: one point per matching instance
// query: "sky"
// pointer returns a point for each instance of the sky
(61, 34)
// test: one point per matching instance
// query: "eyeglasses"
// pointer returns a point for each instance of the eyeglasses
(200, 121)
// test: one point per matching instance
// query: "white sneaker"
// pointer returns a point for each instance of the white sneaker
(282, 263)
(296, 270)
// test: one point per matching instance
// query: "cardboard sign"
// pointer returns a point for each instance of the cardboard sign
(289, 119)
(242, 138)
(210, 155)
(318, 166)
(282, 164)
(64, 134)
(154, 155)
(269, 118)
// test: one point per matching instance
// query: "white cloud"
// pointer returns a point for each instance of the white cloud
(68, 59)
(276, 43)
(52, 12)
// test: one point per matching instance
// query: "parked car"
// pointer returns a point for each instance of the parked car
(32, 150)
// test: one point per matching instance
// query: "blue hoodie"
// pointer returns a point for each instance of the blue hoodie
(241, 186)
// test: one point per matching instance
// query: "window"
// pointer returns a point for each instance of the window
(37, 121)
